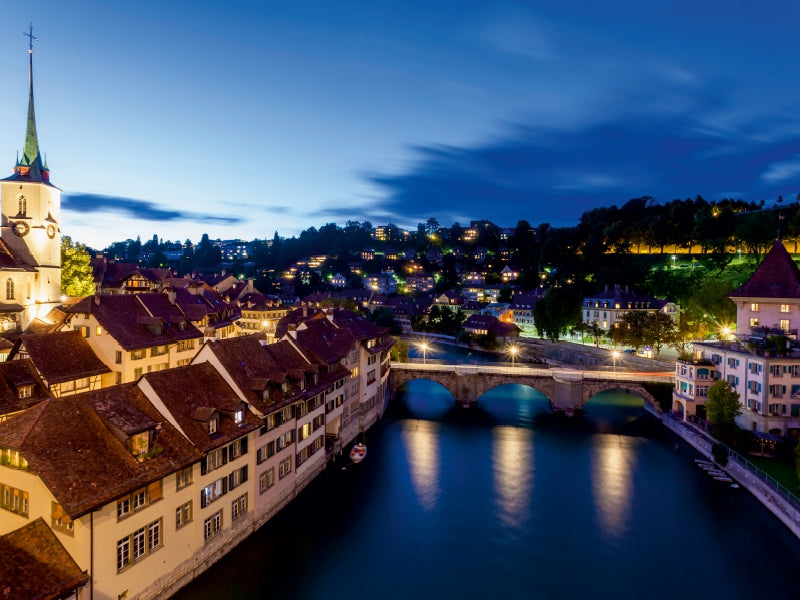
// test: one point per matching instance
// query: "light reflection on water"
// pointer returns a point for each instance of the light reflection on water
(421, 443)
(613, 459)
(512, 466)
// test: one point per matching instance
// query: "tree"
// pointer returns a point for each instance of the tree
(76, 269)
(722, 408)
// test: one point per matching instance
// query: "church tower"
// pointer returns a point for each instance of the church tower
(30, 211)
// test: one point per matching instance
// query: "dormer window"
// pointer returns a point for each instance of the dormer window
(139, 443)
(212, 425)
(285, 387)
(238, 416)
(25, 391)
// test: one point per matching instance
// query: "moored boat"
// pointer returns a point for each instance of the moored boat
(358, 452)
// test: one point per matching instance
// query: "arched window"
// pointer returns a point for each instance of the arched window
(23, 206)
(9, 289)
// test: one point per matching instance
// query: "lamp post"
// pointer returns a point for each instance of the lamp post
(673, 261)
(424, 347)
(615, 356)
(513, 350)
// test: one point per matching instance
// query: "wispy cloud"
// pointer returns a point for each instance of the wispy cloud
(138, 209)
(782, 171)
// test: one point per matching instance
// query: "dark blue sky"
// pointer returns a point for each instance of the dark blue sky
(242, 118)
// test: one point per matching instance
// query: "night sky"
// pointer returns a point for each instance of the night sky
(239, 119)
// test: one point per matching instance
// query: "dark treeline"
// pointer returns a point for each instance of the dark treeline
(615, 244)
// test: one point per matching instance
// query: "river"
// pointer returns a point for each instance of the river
(509, 501)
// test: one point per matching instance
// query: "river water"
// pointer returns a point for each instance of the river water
(508, 501)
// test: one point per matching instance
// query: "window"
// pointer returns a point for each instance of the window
(14, 500)
(138, 354)
(214, 460)
(212, 425)
(212, 525)
(183, 478)
(785, 308)
(60, 521)
(785, 324)
(303, 432)
(285, 467)
(25, 391)
(22, 205)
(137, 373)
(238, 416)
(754, 307)
(9, 289)
(183, 514)
(266, 480)
(138, 544)
(138, 499)
(118, 357)
(98, 330)
(238, 477)
(238, 507)
(213, 492)
(753, 321)
(159, 350)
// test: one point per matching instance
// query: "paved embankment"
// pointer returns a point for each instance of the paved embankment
(776, 503)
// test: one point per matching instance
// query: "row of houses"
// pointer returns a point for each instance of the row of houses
(761, 361)
(144, 483)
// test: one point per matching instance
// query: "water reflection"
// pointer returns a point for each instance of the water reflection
(421, 443)
(512, 465)
(613, 459)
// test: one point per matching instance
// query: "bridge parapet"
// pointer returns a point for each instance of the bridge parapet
(564, 388)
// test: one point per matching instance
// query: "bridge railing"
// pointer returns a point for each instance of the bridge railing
(514, 369)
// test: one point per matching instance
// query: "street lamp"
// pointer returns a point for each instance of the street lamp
(615, 355)
(673, 261)
(513, 350)
(424, 347)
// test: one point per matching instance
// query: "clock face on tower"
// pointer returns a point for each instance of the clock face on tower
(20, 228)
(51, 231)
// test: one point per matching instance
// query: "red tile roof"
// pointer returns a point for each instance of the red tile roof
(125, 318)
(776, 277)
(72, 445)
(36, 565)
(183, 390)
(60, 356)
(15, 374)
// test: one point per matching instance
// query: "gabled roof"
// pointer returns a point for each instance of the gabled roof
(69, 444)
(126, 318)
(60, 356)
(776, 277)
(184, 390)
(328, 342)
(36, 565)
(17, 374)
(251, 368)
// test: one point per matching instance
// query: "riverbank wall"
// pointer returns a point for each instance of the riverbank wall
(781, 507)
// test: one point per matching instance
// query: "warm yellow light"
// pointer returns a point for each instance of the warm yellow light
(615, 354)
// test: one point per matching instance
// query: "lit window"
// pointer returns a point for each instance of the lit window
(754, 307)
(785, 324)
(753, 321)
(784, 308)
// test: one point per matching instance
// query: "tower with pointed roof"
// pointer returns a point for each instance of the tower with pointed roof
(30, 237)
(761, 361)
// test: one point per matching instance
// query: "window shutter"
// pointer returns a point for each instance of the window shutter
(154, 491)
(244, 445)
(224, 456)
(202, 499)
(224, 485)
(244, 473)
(232, 481)
(204, 465)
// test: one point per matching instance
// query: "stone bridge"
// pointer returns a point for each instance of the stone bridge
(566, 389)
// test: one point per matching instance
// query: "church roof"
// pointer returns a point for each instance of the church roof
(31, 167)
(9, 261)
(776, 277)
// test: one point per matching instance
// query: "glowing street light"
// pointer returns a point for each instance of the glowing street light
(615, 355)
(725, 333)
(673, 261)
(513, 350)
(424, 347)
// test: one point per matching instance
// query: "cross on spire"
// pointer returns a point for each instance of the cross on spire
(31, 37)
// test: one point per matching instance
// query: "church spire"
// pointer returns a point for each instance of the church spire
(31, 167)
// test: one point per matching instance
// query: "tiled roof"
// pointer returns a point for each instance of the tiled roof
(176, 323)
(36, 565)
(620, 294)
(15, 374)
(325, 340)
(776, 277)
(60, 356)
(251, 367)
(71, 445)
(125, 318)
(183, 390)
